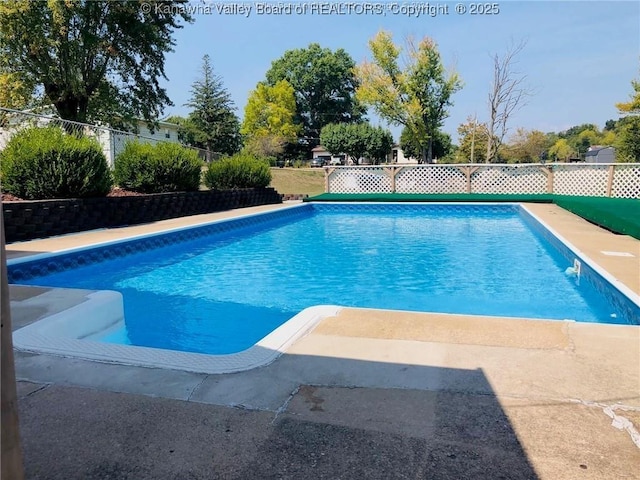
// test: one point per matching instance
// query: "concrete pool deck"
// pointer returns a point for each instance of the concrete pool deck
(366, 394)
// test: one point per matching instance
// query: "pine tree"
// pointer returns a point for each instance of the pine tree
(212, 125)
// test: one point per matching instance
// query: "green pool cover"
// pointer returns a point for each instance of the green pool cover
(620, 215)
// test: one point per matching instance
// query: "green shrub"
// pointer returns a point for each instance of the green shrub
(239, 171)
(41, 163)
(163, 167)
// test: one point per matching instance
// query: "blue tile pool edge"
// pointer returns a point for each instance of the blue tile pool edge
(97, 252)
(601, 279)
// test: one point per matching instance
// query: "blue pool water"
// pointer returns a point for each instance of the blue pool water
(221, 293)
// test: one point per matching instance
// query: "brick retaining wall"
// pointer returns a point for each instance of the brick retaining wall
(27, 220)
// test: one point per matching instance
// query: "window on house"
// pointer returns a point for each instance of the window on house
(167, 133)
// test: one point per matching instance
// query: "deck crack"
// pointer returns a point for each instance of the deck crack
(617, 421)
(282, 408)
(42, 387)
(195, 389)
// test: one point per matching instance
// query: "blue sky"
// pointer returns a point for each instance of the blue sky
(580, 56)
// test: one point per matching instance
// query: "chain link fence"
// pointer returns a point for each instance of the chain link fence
(112, 141)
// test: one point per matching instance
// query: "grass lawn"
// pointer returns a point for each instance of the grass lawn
(298, 180)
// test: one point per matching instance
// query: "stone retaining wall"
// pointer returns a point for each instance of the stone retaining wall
(27, 220)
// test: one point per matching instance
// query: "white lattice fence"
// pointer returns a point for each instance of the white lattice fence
(626, 181)
(585, 180)
(509, 179)
(360, 180)
(615, 180)
(440, 179)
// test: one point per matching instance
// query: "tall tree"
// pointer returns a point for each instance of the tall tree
(269, 116)
(324, 85)
(92, 59)
(416, 94)
(508, 94)
(212, 125)
(412, 147)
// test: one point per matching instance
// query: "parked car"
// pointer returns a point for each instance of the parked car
(335, 162)
(317, 162)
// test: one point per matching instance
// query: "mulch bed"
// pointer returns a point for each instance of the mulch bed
(116, 192)
(7, 197)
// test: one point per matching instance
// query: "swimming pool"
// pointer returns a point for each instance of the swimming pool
(220, 288)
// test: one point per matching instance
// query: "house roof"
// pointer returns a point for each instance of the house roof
(595, 150)
(319, 148)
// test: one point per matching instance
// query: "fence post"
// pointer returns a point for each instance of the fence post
(392, 171)
(612, 169)
(549, 174)
(326, 179)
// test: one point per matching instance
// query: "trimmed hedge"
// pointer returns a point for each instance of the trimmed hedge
(160, 168)
(46, 162)
(239, 171)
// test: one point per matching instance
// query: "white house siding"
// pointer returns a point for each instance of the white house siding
(397, 156)
(111, 141)
(114, 144)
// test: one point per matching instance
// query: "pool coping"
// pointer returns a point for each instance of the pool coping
(262, 353)
(35, 338)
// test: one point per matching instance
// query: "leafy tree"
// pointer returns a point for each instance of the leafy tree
(561, 150)
(415, 95)
(358, 140)
(576, 130)
(94, 60)
(610, 125)
(628, 134)
(15, 93)
(526, 146)
(442, 145)
(379, 142)
(324, 85)
(212, 125)
(628, 140)
(269, 119)
(581, 137)
(632, 106)
(473, 142)
(608, 138)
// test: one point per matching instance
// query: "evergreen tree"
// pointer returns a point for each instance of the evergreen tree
(212, 125)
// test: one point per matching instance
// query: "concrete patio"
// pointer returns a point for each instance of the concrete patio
(367, 394)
